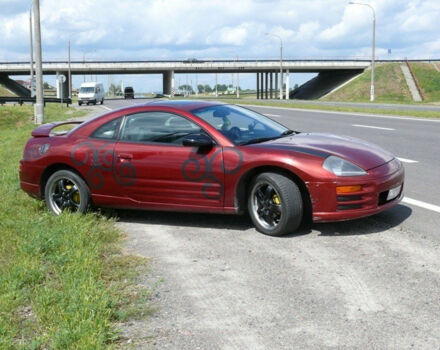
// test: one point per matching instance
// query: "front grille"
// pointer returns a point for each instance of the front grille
(349, 206)
(357, 200)
(349, 198)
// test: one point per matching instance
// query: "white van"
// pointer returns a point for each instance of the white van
(92, 92)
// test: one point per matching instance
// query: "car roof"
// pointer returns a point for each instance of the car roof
(185, 105)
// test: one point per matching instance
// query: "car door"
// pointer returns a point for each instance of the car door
(164, 172)
(94, 159)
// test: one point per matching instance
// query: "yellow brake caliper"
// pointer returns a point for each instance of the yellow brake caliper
(75, 196)
(276, 199)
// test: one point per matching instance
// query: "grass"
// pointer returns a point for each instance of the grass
(397, 112)
(429, 79)
(5, 92)
(390, 86)
(63, 281)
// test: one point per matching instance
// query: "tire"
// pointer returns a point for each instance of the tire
(102, 101)
(66, 190)
(275, 204)
(80, 103)
(94, 103)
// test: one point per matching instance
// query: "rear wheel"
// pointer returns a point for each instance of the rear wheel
(66, 190)
(275, 204)
(80, 103)
(102, 101)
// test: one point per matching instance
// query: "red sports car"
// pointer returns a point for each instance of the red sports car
(198, 156)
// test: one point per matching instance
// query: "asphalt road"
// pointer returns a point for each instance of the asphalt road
(369, 283)
(375, 105)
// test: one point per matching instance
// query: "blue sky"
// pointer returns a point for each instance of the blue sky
(178, 29)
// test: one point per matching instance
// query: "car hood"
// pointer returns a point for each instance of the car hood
(362, 153)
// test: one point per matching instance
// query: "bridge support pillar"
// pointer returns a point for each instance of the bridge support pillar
(276, 85)
(168, 83)
(258, 85)
(271, 85)
(62, 87)
(287, 84)
(261, 85)
(266, 85)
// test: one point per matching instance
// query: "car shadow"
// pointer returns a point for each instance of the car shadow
(374, 224)
(220, 221)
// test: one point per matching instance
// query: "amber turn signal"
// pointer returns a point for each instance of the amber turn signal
(348, 189)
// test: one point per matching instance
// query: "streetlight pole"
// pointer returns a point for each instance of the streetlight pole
(39, 103)
(373, 48)
(70, 74)
(281, 63)
(32, 53)
(238, 83)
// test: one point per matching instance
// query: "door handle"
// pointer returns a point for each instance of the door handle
(125, 156)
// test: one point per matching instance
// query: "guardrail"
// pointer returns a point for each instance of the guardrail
(21, 100)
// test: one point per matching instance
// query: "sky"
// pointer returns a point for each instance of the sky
(206, 29)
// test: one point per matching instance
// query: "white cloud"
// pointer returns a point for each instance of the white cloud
(149, 29)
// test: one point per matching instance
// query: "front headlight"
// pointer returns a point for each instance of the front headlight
(342, 167)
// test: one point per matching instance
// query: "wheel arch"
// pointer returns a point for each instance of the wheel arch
(242, 188)
(52, 169)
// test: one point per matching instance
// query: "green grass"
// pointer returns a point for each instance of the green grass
(397, 112)
(5, 92)
(429, 79)
(390, 86)
(63, 281)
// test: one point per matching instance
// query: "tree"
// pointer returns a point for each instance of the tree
(46, 85)
(114, 90)
(200, 88)
(186, 88)
(207, 88)
(221, 87)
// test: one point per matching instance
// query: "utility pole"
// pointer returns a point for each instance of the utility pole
(39, 104)
(32, 53)
(373, 46)
(70, 74)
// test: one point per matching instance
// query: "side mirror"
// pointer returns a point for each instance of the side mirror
(197, 140)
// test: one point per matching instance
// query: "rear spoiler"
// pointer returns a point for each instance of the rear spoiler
(45, 129)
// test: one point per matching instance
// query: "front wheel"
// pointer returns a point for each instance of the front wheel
(275, 204)
(65, 190)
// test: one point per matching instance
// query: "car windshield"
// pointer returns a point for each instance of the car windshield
(86, 90)
(241, 125)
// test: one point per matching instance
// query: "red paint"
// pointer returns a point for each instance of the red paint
(178, 178)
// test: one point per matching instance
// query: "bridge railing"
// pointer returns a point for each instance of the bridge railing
(21, 100)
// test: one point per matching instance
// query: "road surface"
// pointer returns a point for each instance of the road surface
(369, 283)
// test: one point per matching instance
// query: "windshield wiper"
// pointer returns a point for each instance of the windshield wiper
(258, 140)
(287, 132)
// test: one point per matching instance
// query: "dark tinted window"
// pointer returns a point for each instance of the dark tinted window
(240, 125)
(157, 127)
(108, 130)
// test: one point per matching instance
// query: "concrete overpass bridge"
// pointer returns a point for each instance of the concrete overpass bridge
(267, 71)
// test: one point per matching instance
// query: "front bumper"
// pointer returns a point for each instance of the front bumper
(372, 199)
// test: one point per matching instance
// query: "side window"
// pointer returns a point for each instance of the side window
(108, 131)
(160, 127)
